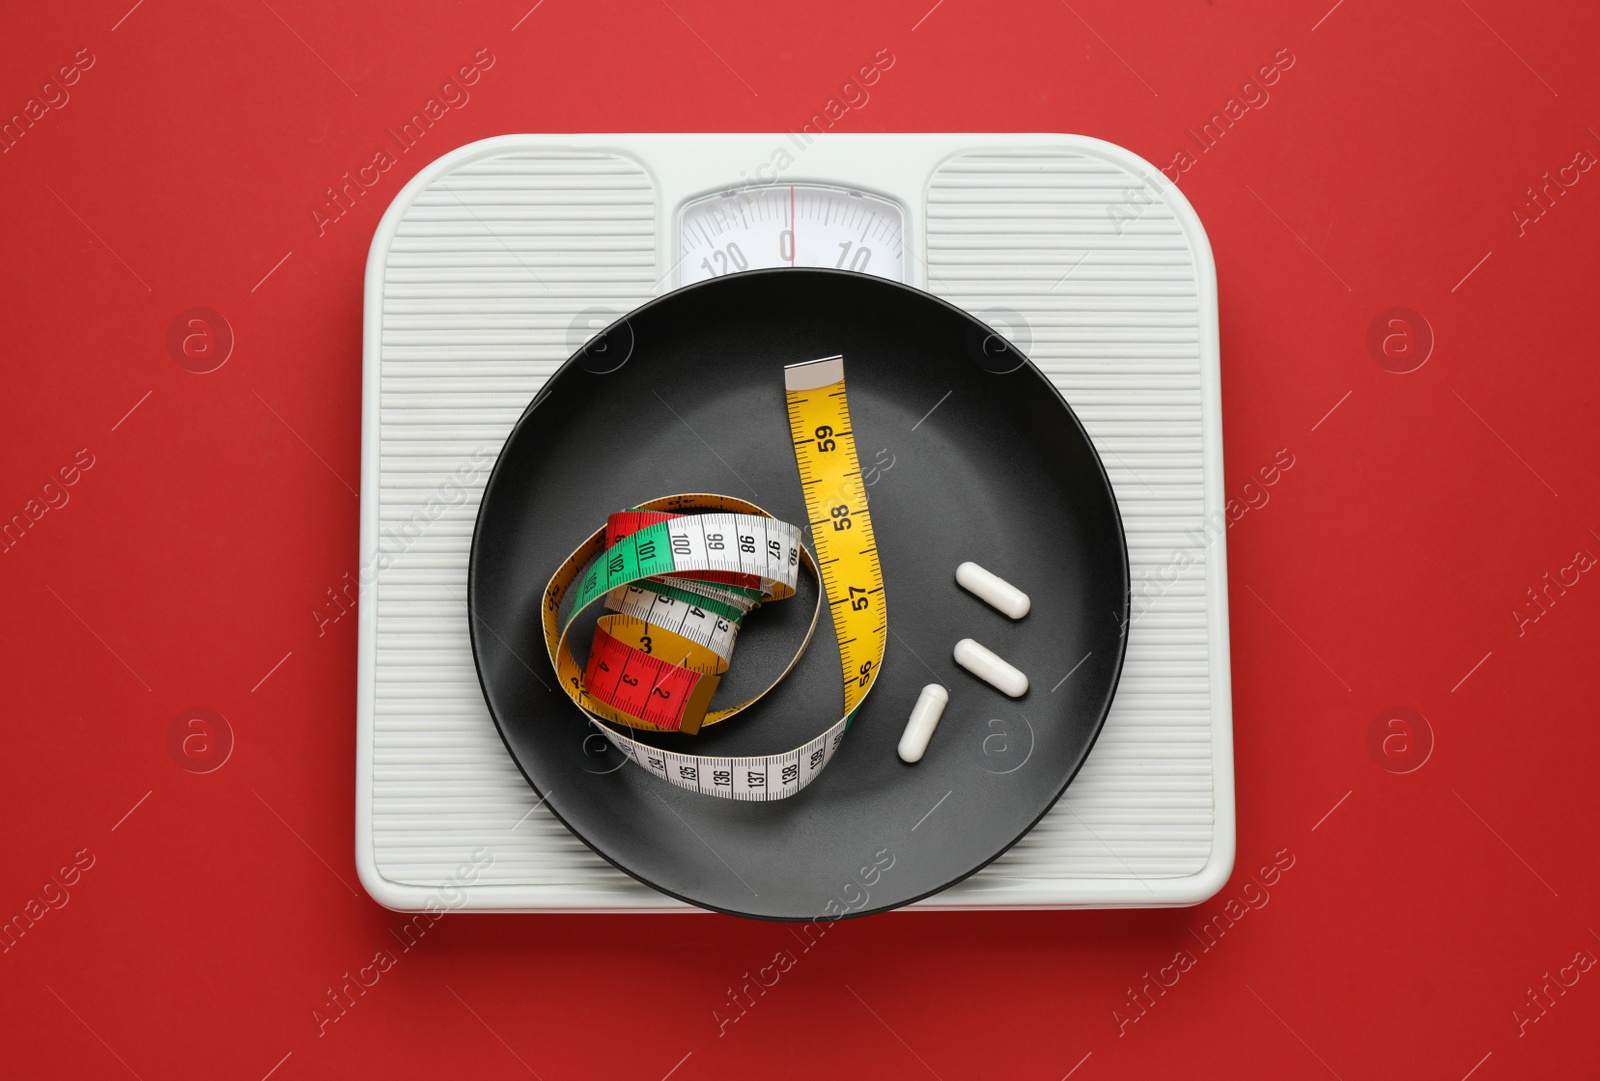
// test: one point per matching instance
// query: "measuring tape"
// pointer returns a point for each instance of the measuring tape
(677, 577)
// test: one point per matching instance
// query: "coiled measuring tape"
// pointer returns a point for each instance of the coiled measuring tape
(678, 575)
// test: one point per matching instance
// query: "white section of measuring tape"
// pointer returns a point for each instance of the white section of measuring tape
(764, 777)
(693, 535)
(709, 629)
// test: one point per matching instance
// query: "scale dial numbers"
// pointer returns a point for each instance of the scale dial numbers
(778, 225)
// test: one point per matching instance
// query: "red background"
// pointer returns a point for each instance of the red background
(187, 561)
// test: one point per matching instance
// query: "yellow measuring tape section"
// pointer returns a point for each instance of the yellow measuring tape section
(679, 574)
(836, 501)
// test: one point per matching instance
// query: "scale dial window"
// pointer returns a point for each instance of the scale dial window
(777, 225)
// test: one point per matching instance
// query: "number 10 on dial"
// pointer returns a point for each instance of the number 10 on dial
(778, 225)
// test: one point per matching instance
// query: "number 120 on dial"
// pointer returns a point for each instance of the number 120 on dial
(778, 225)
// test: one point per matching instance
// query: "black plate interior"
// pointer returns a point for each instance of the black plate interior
(971, 454)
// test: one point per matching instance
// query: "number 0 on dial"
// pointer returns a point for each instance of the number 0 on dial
(777, 225)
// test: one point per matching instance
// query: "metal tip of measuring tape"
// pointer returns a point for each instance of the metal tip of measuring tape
(813, 374)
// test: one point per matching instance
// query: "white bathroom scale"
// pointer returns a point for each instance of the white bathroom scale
(503, 258)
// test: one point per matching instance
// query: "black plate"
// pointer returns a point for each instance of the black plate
(971, 454)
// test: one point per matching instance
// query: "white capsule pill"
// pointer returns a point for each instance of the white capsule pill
(924, 719)
(993, 590)
(991, 669)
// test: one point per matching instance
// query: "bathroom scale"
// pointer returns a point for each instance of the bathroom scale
(504, 260)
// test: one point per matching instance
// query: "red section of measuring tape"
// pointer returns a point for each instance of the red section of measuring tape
(627, 522)
(637, 683)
